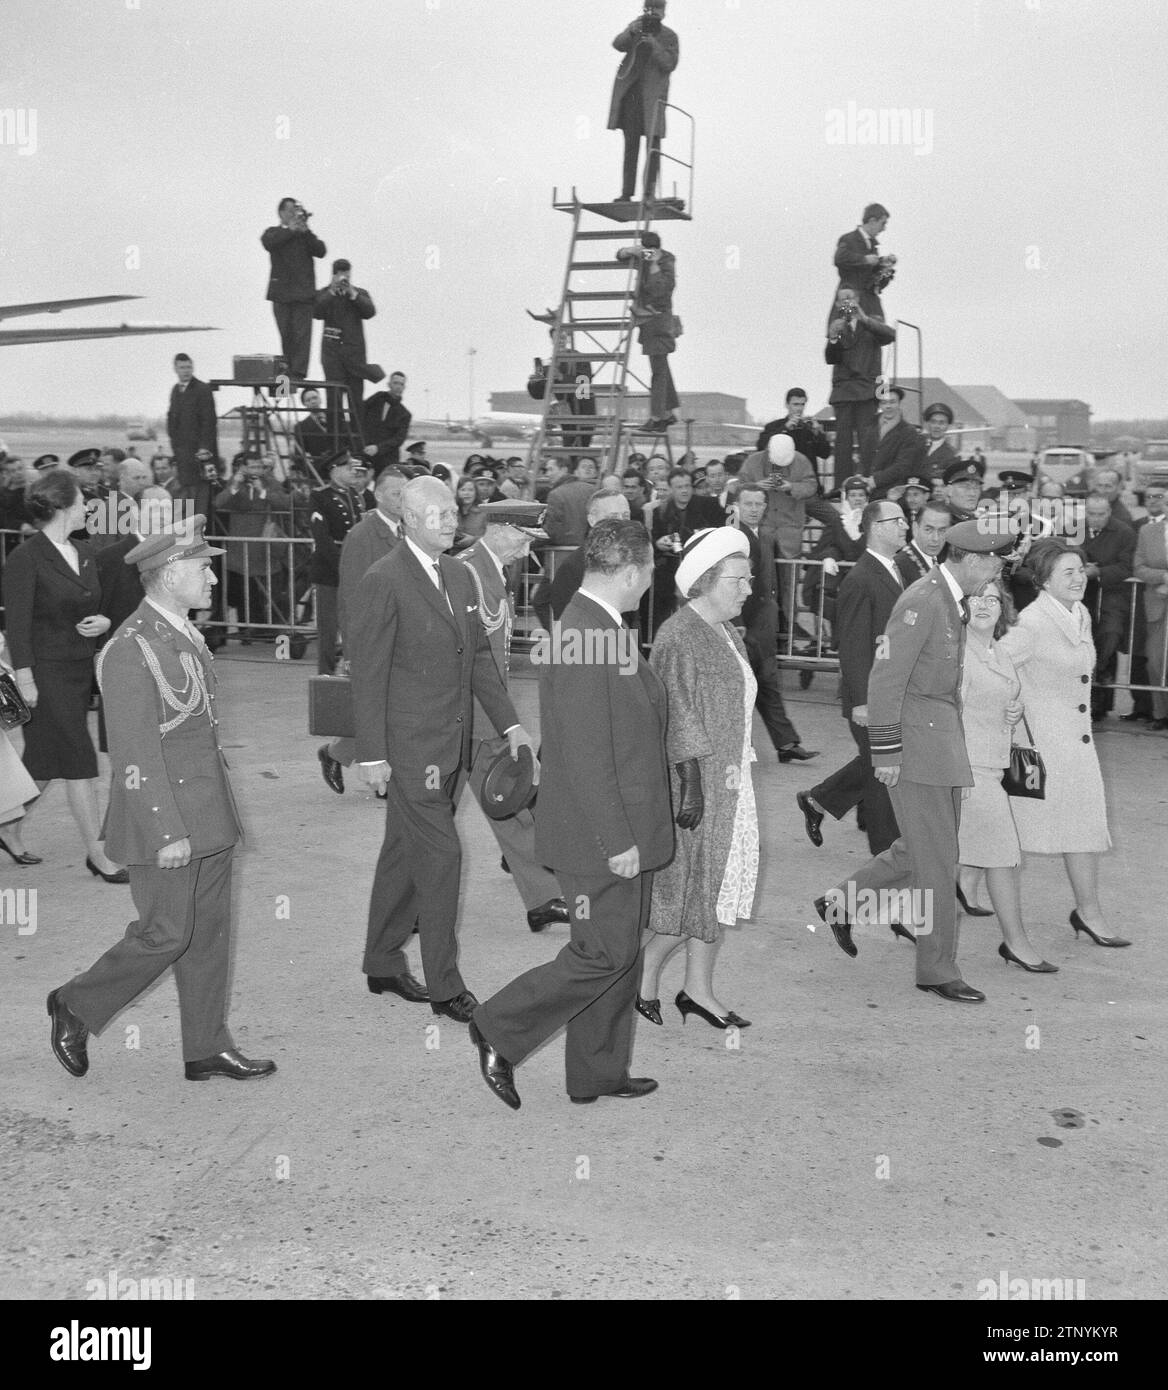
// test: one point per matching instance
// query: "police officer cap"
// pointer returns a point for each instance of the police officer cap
(855, 481)
(939, 408)
(524, 516)
(184, 541)
(83, 458)
(508, 783)
(43, 461)
(964, 469)
(987, 535)
(1015, 477)
(339, 459)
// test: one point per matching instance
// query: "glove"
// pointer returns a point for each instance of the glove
(692, 803)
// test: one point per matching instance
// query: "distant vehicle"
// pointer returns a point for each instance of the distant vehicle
(1062, 464)
(141, 430)
(1153, 460)
(502, 424)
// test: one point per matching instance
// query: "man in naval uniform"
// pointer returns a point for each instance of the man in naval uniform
(511, 528)
(172, 819)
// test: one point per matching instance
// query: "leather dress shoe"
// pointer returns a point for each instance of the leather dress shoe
(231, 1064)
(496, 1069)
(956, 990)
(118, 875)
(68, 1037)
(460, 1008)
(841, 928)
(331, 770)
(554, 910)
(796, 754)
(812, 819)
(411, 990)
(633, 1088)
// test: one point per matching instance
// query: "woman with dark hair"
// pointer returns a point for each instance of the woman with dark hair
(52, 596)
(1052, 650)
(471, 522)
(709, 884)
(991, 708)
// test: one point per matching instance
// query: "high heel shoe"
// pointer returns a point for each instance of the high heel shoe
(21, 858)
(972, 911)
(120, 876)
(686, 1006)
(1079, 925)
(1043, 967)
(899, 930)
(650, 1009)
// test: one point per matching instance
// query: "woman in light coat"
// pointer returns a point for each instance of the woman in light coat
(990, 710)
(1052, 649)
(710, 882)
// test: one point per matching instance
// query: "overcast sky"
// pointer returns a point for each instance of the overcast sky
(426, 135)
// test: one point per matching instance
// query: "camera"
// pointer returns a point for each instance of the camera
(848, 309)
(341, 286)
(650, 22)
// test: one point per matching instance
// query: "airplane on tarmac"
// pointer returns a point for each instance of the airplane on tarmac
(12, 337)
(496, 424)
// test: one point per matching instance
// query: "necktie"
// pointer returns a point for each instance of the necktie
(964, 610)
(442, 584)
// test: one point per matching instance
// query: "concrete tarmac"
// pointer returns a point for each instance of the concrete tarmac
(861, 1141)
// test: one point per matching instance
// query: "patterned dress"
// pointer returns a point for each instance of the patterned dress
(736, 897)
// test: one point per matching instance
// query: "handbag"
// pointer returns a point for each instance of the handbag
(14, 709)
(1026, 775)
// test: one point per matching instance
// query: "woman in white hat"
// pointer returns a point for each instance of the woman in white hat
(710, 882)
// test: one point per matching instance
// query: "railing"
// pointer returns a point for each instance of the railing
(265, 580)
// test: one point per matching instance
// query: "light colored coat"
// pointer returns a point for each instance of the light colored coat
(1151, 565)
(1054, 658)
(989, 683)
(706, 715)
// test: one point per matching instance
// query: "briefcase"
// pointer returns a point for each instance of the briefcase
(330, 707)
(258, 369)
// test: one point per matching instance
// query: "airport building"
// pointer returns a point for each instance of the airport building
(1057, 421)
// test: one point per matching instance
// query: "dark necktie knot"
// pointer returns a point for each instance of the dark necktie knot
(964, 610)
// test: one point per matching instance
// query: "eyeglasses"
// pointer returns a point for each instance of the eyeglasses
(747, 579)
(986, 598)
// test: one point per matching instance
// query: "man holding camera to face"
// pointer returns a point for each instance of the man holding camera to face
(344, 309)
(855, 337)
(292, 284)
(642, 81)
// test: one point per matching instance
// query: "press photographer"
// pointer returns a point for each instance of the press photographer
(292, 283)
(642, 81)
(854, 340)
(344, 308)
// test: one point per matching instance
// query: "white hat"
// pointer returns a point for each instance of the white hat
(704, 550)
(781, 449)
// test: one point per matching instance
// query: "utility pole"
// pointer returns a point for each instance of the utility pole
(470, 357)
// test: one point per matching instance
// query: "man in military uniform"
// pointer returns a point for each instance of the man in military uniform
(918, 752)
(963, 481)
(172, 819)
(941, 454)
(511, 528)
(336, 509)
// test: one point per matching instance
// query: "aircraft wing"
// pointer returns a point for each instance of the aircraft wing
(54, 306)
(12, 336)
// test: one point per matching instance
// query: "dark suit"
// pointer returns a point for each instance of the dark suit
(1108, 599)
(849, 259)
(313, 435)
(900, 455)
(864, 605)
(760, 619)
(191, 425)
(342, 350)
(45, 600)
(668, 520)
(604, 789)
(912, 563)
(914, 721)
(386, 424)
(335, 511)
(291, 289)
(855, 360)
(566, 519)
(418, 661)
(165, 786)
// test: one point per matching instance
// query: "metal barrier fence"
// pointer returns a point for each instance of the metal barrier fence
(264, 590)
